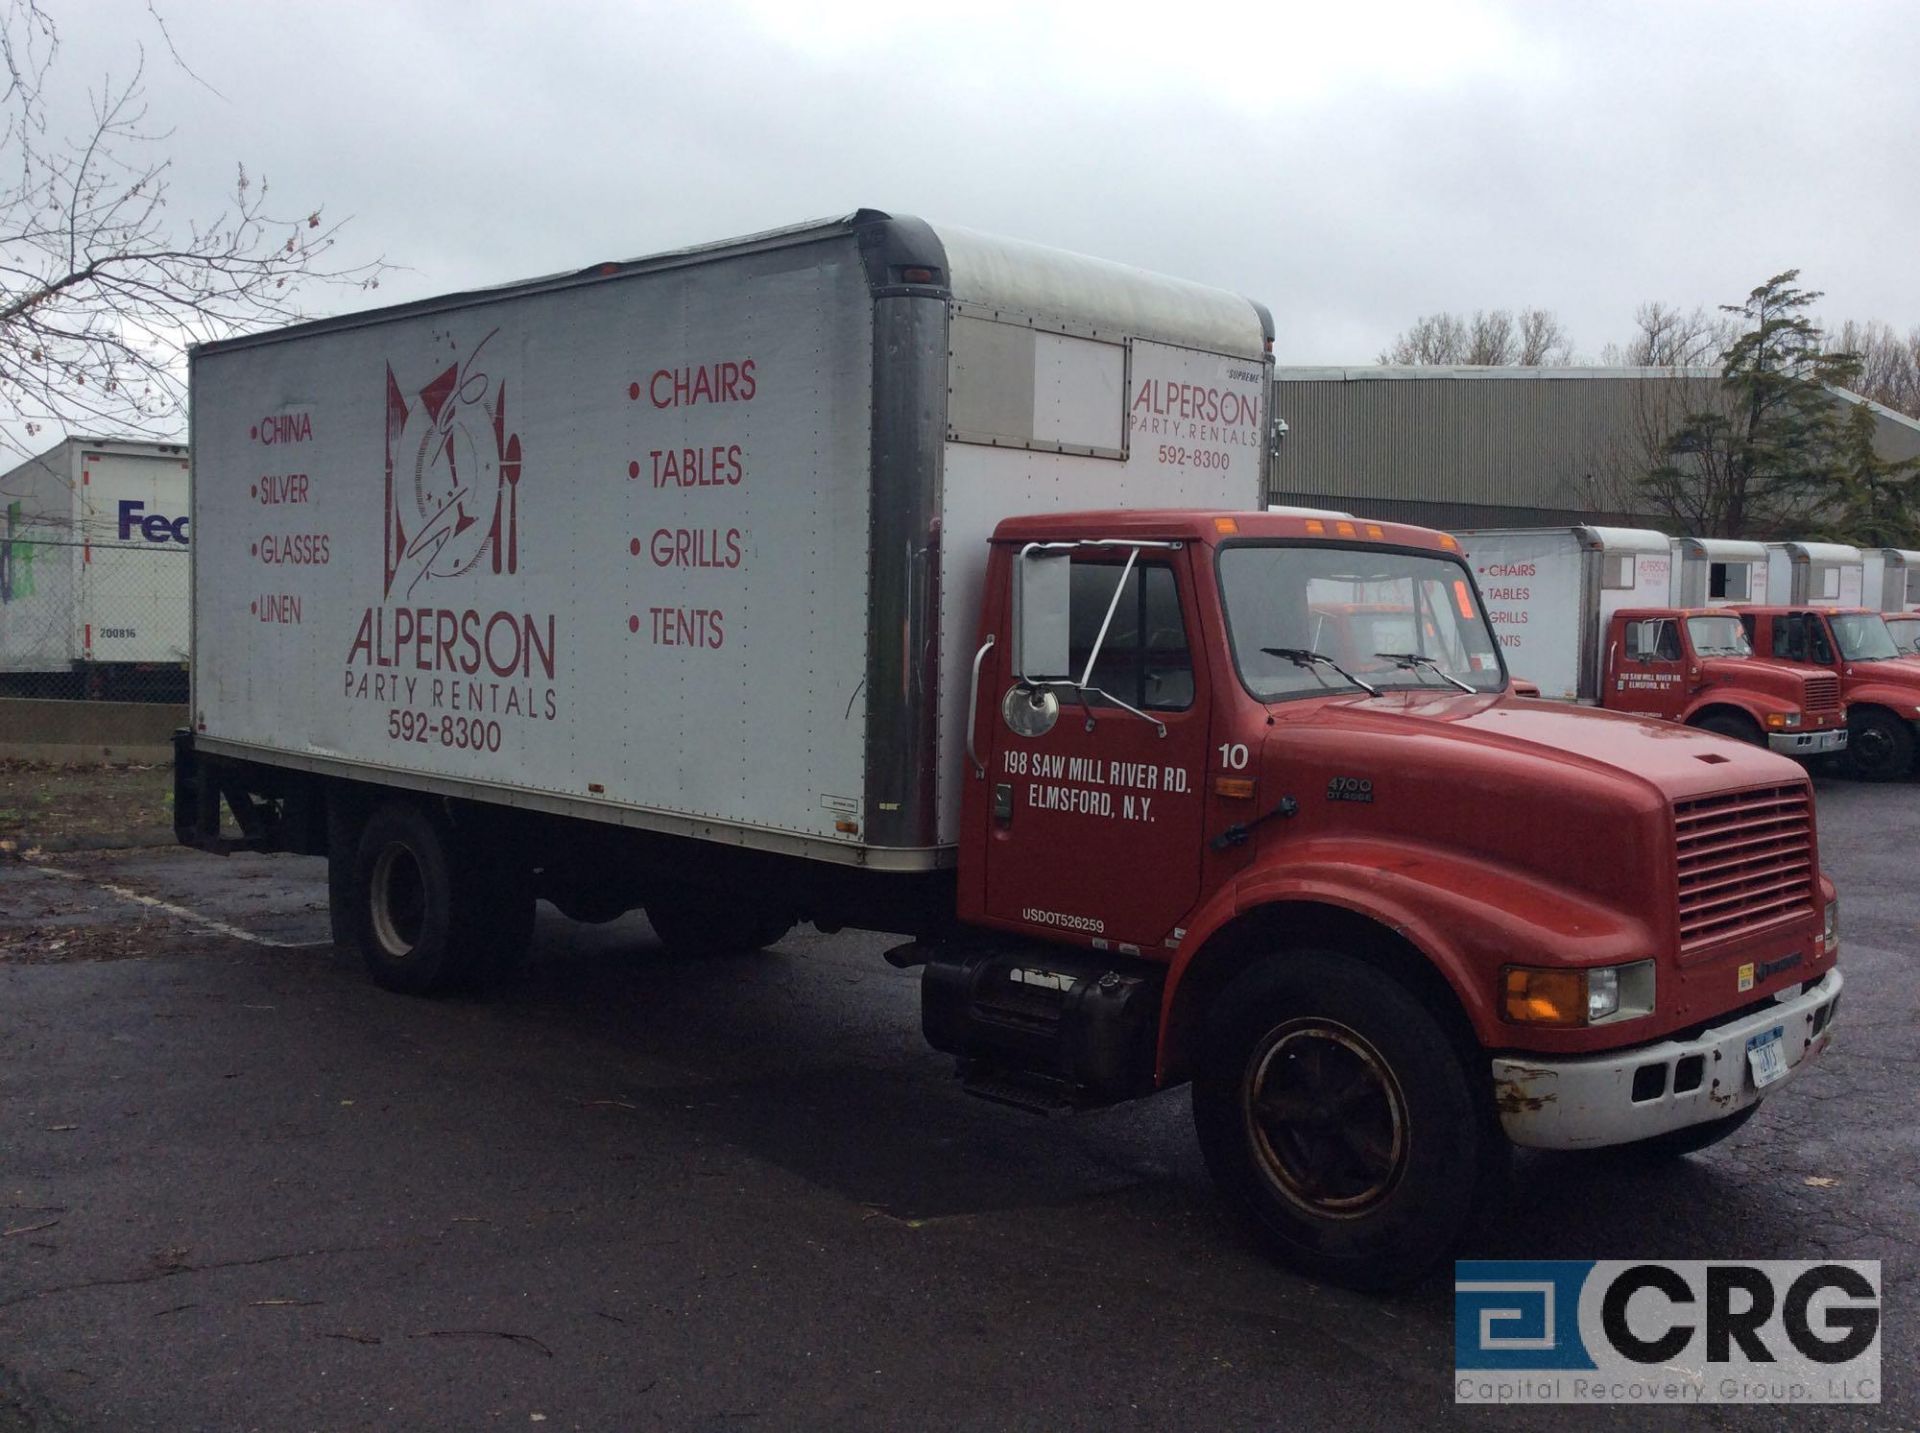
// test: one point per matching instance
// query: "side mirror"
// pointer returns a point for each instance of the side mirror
(1042, 591)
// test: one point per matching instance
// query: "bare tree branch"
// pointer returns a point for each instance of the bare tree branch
(102, 286)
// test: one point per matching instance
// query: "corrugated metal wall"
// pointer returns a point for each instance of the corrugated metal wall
(1526, 446)
(1490, 447)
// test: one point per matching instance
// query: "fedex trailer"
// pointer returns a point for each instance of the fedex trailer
(884, 574)
(93, 568)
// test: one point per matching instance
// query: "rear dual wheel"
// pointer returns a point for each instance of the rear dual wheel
(430, 908)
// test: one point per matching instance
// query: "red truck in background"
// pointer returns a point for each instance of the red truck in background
(894, 576)
(1588, 614)
(1879, 682)
(1904, 628)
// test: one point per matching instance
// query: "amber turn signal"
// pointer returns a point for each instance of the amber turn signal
(1544, 997)
(1236, 788)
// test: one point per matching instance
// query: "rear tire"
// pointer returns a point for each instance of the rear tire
(430, 910)
(1337, 1115)
(1879, 745)
(696, 926)
(1739, 728)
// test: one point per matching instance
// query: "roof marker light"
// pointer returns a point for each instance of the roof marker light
(1315, 525)
(1345, 529)
(1226, 525)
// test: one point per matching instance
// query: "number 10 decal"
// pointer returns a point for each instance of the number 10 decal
(1233, 756)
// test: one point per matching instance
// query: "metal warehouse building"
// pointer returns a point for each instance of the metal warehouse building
(1490, 447)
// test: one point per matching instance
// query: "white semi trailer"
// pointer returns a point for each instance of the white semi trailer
(1891, 579)
(93, 566)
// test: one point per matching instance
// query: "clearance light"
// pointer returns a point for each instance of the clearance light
(1446, 540)
(1315, 525)
(847, 828)
(1345, 529)
(1373, 530)
(1234, 788)
(920, 276)
(1576, 997)
(1226, 525)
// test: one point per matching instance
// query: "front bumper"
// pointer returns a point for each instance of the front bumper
(1808, 743)
(1588, 1101)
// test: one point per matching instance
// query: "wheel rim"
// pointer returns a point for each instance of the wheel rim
(399, 899)
(1327, 1118)
(1872, 746)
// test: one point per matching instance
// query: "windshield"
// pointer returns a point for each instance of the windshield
(1863, 637)
(1906, 633)
(1718, 637)
(1350, 605)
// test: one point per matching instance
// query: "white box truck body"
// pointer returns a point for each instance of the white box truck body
(1718, 572)
(1814, 574)
(530, 541)
(1890, 577)
(1550, 593)
(93, 557)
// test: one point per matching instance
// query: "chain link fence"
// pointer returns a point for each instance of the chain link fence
(93, 621)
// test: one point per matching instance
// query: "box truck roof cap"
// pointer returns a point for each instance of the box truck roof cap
(975, 269)
(1818, 551)
(1721, 549)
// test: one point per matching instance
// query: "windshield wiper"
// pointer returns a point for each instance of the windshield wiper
(1307, 657)
(1413, 660)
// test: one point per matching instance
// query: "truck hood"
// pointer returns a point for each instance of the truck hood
(1576, 798)
(1785, 680)
(1660, 758)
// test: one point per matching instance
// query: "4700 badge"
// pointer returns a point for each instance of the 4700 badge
(461, 733)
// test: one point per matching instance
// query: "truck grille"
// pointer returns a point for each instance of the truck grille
(1745, 861)
(1823, 695)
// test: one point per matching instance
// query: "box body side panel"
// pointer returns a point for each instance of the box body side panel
(607, 543)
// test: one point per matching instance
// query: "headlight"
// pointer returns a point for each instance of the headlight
(1559, 996)
(1830, 931)
(1783, 721)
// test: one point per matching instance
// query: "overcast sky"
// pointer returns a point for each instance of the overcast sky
(1352, 165)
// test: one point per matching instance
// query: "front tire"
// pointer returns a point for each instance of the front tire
(1739, 728)
(1337, 1115)
(1879, 745)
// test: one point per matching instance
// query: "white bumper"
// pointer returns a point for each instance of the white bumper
(1585, 1101)
(1808, 743)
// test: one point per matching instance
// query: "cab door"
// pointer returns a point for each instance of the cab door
(1649, 661)
(1094, 824)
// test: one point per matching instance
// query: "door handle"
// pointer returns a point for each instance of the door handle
(973, 707)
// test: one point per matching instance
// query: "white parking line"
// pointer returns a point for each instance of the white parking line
(193, 917)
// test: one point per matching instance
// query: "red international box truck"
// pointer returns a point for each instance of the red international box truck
(880, 574)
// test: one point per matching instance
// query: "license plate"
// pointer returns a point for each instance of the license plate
(1767, 1056)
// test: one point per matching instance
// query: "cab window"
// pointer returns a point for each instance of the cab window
(1144, 661)
(1653, 640)
(1800, 638)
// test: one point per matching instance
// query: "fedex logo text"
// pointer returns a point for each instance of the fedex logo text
(152, 526)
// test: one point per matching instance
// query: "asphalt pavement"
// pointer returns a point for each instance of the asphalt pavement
(241, 1188)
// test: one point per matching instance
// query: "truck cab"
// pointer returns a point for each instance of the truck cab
(1699, 668)
(1904, 628)
(1880, 689)
(1250, 802)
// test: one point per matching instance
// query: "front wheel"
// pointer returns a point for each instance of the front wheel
(1739, 728)
(1879, 745)
(1335, 1112)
